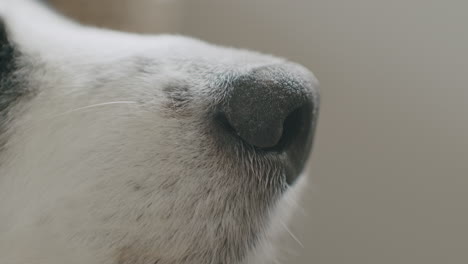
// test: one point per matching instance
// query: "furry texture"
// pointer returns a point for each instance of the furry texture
(111, 155)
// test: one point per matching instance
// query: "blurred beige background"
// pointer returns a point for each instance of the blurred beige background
(390, 167)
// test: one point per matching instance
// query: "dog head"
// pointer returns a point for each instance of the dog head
(150, 149)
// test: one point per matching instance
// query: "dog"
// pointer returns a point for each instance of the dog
(118, 148)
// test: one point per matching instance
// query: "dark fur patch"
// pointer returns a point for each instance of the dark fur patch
(178, 102)
(10, 88)
(179, 94)
(8, 93)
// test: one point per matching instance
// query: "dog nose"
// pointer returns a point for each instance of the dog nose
(271, 107)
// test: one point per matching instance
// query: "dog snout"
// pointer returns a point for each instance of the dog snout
(272, 107)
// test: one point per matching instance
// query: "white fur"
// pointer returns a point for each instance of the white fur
(96, 170)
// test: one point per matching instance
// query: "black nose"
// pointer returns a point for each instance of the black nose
(271, 107)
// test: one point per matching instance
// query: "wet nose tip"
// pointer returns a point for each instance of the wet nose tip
(269, 107)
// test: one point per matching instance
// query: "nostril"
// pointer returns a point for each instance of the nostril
(292, 127)
(222, 121)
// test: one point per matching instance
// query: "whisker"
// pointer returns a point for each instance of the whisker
(95, 105)
(75, 110)
(291, 234)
